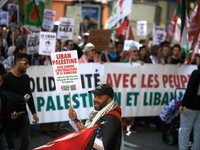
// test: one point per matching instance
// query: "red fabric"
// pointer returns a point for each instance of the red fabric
(117, 112)
(172, 26)
(76, 141)
(122, 29)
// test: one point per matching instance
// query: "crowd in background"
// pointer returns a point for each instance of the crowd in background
(12, 42)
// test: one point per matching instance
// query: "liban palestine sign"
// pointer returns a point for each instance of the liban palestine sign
(66, 71)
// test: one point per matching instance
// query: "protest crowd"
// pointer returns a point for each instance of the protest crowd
(16, 56)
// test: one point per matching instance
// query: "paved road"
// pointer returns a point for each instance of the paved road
(143, 140)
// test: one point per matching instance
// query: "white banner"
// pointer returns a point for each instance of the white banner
(48, 19)
(32, 45)
(66, 71)
(139, 90)
(65, 28)
(159, 35)
(47, 43)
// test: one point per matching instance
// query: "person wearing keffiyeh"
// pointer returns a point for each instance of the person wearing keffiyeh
(106, 112)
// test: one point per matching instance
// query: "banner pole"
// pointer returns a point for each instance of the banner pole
(70, 102)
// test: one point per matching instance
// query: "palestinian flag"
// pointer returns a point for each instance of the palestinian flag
(72, 141)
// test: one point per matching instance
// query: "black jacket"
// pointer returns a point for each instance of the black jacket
(191, 98)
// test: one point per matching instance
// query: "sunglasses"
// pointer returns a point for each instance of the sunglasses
(135, 51)
(93, 50)
(24, 62)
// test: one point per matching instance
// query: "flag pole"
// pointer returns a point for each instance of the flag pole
(38, 14)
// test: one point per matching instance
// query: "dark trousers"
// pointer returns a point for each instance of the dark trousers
(24, 133)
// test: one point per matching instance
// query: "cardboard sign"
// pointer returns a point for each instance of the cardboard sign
(13, 11)
(65, 28)
(142, 28)
(129, 43)
(100, 39)
(66, 71)
(159, 35)
(4, 18)
(32, 43)
(47, 43)
(48, 19)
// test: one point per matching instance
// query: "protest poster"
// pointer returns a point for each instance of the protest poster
(100, 39)
(74, 12)
(142, 28)
(2, 2)
(4, 18)
(65, 28)
(32, 43)
(66, 71)
(159, 35)
(48, 19)
(47, 43)
(13, 11)
(129, 43)
(31, 18)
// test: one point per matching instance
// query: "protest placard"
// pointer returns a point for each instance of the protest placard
(142, 28)
(65, 28)
(66, 71)
(4, 18)
(2, 2)
(32, 43)
(130, 43)
(100, 39)
(47, 43)
(48, 19)
(13, 10)
(159, 35)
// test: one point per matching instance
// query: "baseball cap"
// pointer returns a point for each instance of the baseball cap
(103, 89)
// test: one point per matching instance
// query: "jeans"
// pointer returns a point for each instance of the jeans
(3, 143)
(189, 119)
(24, 134)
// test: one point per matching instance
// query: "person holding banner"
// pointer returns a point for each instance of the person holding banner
(156, 55)
(106, 112)
(18, 83)
(89, 55)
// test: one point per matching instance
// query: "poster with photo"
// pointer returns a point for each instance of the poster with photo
(65, 28)
(13, 10)
(90, 17)
(48, 19)
(32, 45)
(159, 35)
(66, 71)
(47, 43)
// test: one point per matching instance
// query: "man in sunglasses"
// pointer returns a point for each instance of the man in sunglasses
(17, 83)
